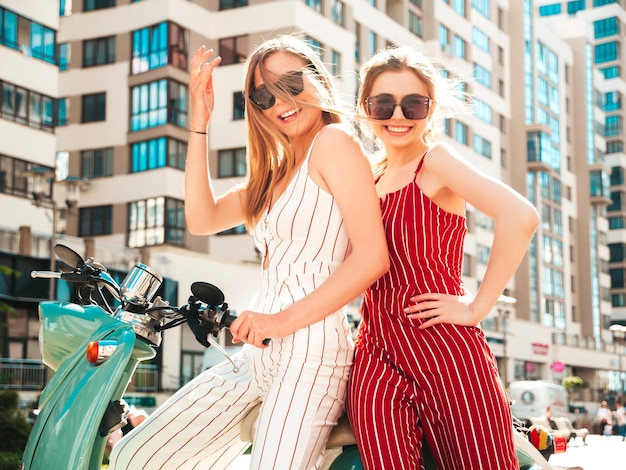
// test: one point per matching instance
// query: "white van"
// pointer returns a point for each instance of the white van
(534, 398)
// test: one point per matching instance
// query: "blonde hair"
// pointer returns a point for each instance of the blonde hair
(270, 156)
(446, 97)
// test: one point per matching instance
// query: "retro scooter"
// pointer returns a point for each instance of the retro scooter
(95, 345)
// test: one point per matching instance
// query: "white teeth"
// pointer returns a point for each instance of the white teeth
(397, 129)
(288, 113)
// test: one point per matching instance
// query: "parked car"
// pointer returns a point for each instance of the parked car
(535, 398)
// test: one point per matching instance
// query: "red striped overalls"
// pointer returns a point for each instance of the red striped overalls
(441, 382)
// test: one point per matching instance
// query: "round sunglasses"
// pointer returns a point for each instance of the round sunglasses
(291, 83)
(381, 107)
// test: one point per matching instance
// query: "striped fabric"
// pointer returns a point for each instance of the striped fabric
(440, 383)
(301, 379)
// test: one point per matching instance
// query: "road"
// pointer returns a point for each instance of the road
(600, 453)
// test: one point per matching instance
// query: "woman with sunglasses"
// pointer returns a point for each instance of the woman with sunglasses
(309, 200)
(422, 367)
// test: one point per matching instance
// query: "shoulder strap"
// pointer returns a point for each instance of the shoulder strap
(419, 165)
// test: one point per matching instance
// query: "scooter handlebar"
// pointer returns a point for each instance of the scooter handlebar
(45, 274)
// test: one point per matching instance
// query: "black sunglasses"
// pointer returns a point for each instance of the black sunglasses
(382, 106)
(291, 83)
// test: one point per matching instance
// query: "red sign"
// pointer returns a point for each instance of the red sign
(540, 348)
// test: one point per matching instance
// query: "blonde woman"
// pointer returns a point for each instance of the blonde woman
(310, 202)
(422, 366)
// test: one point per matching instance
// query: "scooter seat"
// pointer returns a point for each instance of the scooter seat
(341, 434)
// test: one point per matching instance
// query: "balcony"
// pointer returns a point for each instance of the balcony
(33, 375)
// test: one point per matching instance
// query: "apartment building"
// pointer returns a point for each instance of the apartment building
(115, 115)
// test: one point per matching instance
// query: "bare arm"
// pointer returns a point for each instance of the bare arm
(349, 179)
(204, 212)
(515, 223)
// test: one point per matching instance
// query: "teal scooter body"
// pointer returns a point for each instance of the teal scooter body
(71, 407)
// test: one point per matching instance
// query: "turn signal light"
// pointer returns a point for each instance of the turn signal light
(100, 351)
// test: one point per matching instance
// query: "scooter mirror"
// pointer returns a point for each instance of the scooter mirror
(68, 256)
(208, 293)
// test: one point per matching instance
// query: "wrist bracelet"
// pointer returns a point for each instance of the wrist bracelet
(198, 132)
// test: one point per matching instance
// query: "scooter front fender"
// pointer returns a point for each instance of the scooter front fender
(66, 432)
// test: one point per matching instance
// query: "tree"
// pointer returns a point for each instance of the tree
(14, 430)
(573, 383)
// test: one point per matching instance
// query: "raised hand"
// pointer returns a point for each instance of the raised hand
(201, 87)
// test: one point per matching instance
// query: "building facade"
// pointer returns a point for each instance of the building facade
(106, 87)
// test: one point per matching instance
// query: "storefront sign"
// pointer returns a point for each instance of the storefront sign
(540, 348)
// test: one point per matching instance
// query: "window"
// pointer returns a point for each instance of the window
(157, 46)
(480, 39)
(483, 111)
(96, 163)
(357, 42)
(230, 4)
(314, 44)
(617, 198)
(482, 254)
(612, 126)
(611, 72)
(373, 41)
(26, 107)
(238, 230)
(231, 162)
(156, 221)
(617, 252)
(575, 6)
(606, 27)
(549, 10)
(460, 132)
(616, 146)
(459, 7)
(94, 107)
(158, 153)
(29, 37)
(458, 46)
(95, 221)
(315, 4)
(482, 76)
(616, 223)
(337, 13)
(61, 112)
(65, 7)
(443, 37)
(238, 106)
(97, 4)
(612, 101)
(233, 50)
(335, 63)
(482, 146)
(157, 103)
(483, 7)
(64, 56)
(11, 179)
(99, 51)
(416, 24)
(606, 52)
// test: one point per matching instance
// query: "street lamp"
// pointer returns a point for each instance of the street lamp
(39, 178)
(503, 306)
(619, 336)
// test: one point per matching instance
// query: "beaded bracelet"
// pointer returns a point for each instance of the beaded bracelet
(198, 132)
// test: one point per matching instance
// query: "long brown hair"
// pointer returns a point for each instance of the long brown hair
(270, 156)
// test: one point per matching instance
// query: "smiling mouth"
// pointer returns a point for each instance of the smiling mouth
(398, 129)
(289, 114)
